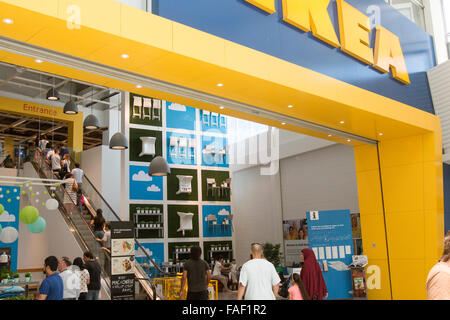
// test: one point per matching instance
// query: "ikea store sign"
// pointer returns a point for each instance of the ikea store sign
(354, 31)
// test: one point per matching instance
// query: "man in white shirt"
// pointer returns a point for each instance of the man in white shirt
(71, 280)
(217, 273)
(78, 176)
(55, 161)
(258, 278)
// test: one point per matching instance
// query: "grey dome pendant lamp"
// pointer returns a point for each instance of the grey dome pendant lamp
(91, 122)
(70, 107)
(52, 93)
(118, 140)
(158, 167)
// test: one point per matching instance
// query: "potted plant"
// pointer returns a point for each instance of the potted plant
(28, 277)
(272, 253)
(4, 278)
(16, 277)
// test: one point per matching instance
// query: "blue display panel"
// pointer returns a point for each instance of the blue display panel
(215, 152)
(179, 116)
(144, 187)
(243, 23)
(181, 148)
(218, 227)
(155, 251)
(330, 237)
(9, 222)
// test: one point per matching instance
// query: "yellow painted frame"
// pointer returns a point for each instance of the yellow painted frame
(400, 184)
(74, 122)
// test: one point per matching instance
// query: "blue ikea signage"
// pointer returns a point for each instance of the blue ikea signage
(245, 24)
(330, 237)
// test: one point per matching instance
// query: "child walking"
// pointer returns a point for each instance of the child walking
(297, 290)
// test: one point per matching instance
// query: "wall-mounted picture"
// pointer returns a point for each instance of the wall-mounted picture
(183, 221)
(148, 220)
(181, 148)
(216, 249)
(182, 184)
(295, 229)
(145, 110)
(213, 122)
(180, 251)
(143, 186)
(215, 152)
(145, 145)
(155, 251)
(217, 221)
(180, 116)
(216, 185)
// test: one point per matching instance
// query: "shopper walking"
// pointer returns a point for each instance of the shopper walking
(233, 274)
(297, 290)
(52, 288)
(78, 176)
(71, 280)
(70, 194)
(43, 143)
(65, 165)
(98, 224)
(83, 273)
(217, 273)
(438, 281)
(95, 271)
(312, 277)
(258, 279)
(197, 273)
(55, 160)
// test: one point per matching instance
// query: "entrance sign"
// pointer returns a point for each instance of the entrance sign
(330, 237)
(354, 29)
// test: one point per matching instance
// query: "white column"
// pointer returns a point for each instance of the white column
(435, 25)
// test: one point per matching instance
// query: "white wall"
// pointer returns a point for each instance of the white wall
(257, 211)
(56, 240)
(435, 25)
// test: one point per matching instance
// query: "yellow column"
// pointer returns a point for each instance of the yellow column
(372, 222)
(75, 135)
(9, 147)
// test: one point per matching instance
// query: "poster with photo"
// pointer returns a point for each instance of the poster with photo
(122, 265)
(295, 234)
(122, 247)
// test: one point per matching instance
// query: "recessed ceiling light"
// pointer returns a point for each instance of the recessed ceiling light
(138, 86)
(38, 61)
(330, 135)
(348, 140)
(342, 122)
(283, 123)
(220, 84)
(380, 134)
(125, 56)
(221, 107)
(8, 21)
(290, 106)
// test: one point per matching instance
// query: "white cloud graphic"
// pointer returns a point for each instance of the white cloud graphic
(6, 217)
(153, 188)
(338, 265)
(224, 212)
(142, 176)
(177, 107)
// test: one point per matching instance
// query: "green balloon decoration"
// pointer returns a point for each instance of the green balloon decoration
(2, 209)
(28, 215)
(1, 229)
(38, 226)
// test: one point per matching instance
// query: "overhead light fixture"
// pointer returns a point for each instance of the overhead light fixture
(220, 84)
(138, 86)
(8, 21)
(221, 107)
(380, 134)
(342, 122)
(158, 167)
(118, 142)
(125, 56)
(348, 140)
(290, 106)
(283, 123)
(38, 61)
(330, 135)
(91, 122)
(70, 108)
(52, 94)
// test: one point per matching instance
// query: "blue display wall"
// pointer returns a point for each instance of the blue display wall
(9, 221)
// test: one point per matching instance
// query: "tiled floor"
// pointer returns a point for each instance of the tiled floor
(228, 295)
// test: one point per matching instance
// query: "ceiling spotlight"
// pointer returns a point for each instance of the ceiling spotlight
(283, 123)
(342, 122)
(380, 134)
(138, 86)
(330, 135)
(348, 140)
(8, 21)
(38, 61)
(125, 56)
(290, 106)
(220, 84)
(52, 94)
(221, 107)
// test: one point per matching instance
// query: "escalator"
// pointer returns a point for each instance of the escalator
(78, 221)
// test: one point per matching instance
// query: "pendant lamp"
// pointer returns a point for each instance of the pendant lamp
(91, 122)
(159, 167)
(70, 107)
(118, 142)
(52, 94)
